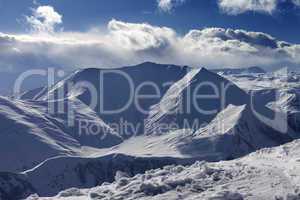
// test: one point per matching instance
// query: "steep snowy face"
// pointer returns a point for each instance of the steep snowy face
(27, 137)
(235, 132)
(194, 101)
(30, 134)
(119, 94)
(34, 94)
(73, 118)
(278, 91)
(287, 99)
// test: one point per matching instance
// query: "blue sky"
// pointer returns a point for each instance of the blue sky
(80, 15)
(69, 34)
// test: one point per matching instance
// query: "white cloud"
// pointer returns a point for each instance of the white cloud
(227, 47)
(44, 19)
(168, 5)
(240, 6)
(125, 44)
(235, 7)
(141, 37)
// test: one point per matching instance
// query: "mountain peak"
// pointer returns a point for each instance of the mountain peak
(204, 70)
(207, 75)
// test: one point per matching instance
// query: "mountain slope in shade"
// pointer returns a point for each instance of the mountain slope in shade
(80, 122)
(29, 134)
(285, 100)
(14, 186)
(57, 174)
(114, 88)
(268, 174)
(288, 101)
(27, 138)
(235, 132)
(196, 98)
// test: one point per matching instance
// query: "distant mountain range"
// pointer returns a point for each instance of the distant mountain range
(248, 70)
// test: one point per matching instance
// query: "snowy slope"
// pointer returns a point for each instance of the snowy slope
(113, 79)
(115, 87)
(72, 120)
(34, 94)
(57, 174)
(239, 135)
(252, 81)
(265, 175)
(28, 138)
(237, 131)
(29, 134)
(288, 101)
(279, 91)
(234, 132)
(179, 105)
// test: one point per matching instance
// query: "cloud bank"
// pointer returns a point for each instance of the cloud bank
(128, 43)
(123, 44)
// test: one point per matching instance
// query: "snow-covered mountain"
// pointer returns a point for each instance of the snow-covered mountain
(114, 89)
(240, 135)
(47, 155)
(243, 70)
(180, 106)
(234, 132)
